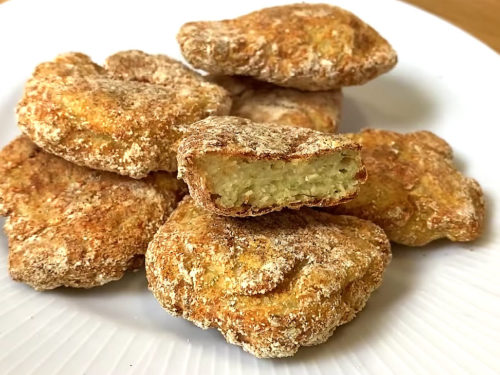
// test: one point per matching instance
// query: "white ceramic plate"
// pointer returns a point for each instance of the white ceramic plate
(438, 309)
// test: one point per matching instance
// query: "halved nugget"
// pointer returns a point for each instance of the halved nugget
(73, 226)
(236, 167)
(413, 190)
(265, 102)
(77, 110)
(305, 46)
(270, 284)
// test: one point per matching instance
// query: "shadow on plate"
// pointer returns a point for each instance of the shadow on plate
(389, 102)
(130, 303)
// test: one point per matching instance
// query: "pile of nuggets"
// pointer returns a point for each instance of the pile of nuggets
(281, 229)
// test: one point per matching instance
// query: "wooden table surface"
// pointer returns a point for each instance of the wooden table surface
(480, 18)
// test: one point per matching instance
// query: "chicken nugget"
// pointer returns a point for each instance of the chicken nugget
(269, 284)
(77, 110)
(265, 102)
(236, 167)
(135, 65)
(73, 226)
(305, 46)
(413, 191)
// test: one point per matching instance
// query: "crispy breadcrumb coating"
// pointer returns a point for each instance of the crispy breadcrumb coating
(269, 284)
(77, 110)
(413, 191)
(72, 226)
(305, 46)
(265, 102)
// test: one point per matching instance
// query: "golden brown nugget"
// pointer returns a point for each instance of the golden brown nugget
(135, 65)
(77, 110)
(73, 226)
(269, 284)
(236, 167)
(265, 102)
(305, 46)
(413, 191)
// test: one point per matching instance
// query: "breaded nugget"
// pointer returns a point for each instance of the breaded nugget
(236, 167)
(135, 65)
(305, 46)
(73, 226)
(265, 102)
(77, 110)
(270, 284)
(413, 191)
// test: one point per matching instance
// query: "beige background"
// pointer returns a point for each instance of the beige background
(481, 18)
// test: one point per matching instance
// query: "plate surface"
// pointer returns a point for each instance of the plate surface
(438, 308)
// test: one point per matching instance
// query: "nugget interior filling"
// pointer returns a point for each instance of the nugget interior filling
(237, 181)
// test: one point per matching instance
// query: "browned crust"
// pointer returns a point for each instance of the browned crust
(127, 123)
(305, 46)
(269, 284)
(73, 226)
(414, 191)
(234, 136)
(264, 102)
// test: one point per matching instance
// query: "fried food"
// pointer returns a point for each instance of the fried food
(413, 191)
(236, 167)
(269, 284)
(306, 46)
(77, 110)
(265, 102)
(135, 65)
(72, 226)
